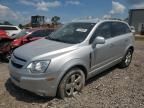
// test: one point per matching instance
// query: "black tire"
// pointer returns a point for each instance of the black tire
(72, 83)
(7, 57)
(127, 59)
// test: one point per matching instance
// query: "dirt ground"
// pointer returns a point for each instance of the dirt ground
(114, 88)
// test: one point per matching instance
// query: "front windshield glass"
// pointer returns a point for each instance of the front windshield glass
(72, 33)
(22, 33)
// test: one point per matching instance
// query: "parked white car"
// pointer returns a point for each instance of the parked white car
(10, 29)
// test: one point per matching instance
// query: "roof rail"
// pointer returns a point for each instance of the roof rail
(113, 19)
(85, 18)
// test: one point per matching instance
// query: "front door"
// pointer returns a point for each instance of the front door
(103, 54)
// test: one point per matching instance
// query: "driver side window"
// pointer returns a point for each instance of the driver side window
(103, 30)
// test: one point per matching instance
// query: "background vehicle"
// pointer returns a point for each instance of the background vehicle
(60, 63)
(3, 34)
(142, 30)
(29, 35)
(5, 42)
(8, 44)
(133, 29)
(10, 29)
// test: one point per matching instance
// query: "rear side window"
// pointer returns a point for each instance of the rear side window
(119, 28)
(38, 33)
(41, 33)
(8, 28)
(103, 30)
(48, 32)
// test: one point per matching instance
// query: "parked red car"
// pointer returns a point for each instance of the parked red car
(3, 34)
(5, 42)
(8, 44)
(30, 35)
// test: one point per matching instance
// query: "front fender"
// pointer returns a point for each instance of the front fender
(128, 48)
(68, 65)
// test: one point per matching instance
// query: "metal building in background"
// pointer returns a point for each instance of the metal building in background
(37, 21)
(136, 19)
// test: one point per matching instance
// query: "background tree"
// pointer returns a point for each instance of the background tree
(7, 23)
(55, 20)
(20, 26)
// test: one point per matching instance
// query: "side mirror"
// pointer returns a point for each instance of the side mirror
(132, 29)
(98, 40)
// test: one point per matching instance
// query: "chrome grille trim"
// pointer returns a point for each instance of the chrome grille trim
(17, 61)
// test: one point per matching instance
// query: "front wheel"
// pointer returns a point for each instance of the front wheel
(127, 59)
(72, 83)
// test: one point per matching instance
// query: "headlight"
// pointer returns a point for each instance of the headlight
(38, 66)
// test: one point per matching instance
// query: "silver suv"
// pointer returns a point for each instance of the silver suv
(61, 63)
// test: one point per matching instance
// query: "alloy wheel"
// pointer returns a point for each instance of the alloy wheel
(73, 84)
(128, 58)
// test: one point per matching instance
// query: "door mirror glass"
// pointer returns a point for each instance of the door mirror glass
(99, 40)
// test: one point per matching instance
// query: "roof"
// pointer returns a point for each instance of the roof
(9, 25)
(87, 20)
(97, 20)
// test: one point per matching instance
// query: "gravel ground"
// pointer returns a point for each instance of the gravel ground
(114, 88)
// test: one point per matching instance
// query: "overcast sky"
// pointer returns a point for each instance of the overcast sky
(19, 11)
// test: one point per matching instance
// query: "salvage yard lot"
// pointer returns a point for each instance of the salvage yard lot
(114, 88)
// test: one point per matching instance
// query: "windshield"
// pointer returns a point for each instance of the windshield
(72, 33)
(22, 33)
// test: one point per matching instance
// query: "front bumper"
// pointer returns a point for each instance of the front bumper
(38, 85)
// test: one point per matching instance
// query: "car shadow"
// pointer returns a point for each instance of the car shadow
(3, 60)
(23, 95)
(29, 97)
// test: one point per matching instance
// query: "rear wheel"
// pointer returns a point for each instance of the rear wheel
(72, 83)
(127, 59)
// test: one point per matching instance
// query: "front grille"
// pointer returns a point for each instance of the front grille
(17, 61)
(19, 58)
(16, 65)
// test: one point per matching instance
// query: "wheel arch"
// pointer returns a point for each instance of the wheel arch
(129, 47)
(132, 48)
(70, 65)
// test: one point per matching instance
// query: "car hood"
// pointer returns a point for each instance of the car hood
(42, 49)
